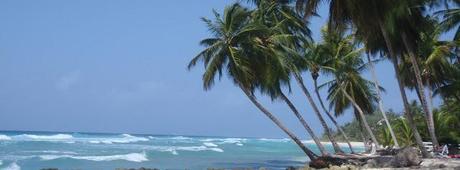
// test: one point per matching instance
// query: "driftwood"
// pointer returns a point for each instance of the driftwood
(406, 157)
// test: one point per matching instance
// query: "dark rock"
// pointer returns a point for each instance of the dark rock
(326, 161)
(407, 157)
(388, 151)
(380, 162)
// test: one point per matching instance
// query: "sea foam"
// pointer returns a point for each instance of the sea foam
(125, 138)
(133, 157)
(209, 144)
(4, 137)
(13, 166)
(174, 149)
(57, 137)
(236, 141)
(275, 140)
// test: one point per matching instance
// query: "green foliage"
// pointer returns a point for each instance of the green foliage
(446, 119)
(260, 49)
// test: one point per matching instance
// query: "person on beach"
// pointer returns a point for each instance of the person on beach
(373, 147)
(445, 150)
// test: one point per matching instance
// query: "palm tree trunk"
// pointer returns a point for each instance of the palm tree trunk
(418, 77)
(363, 118)
(361, 132)
(379, 98)
(330, 116)
(305, 124)
(321, 119)
(407, 111)
(267, 113)
(430, 93)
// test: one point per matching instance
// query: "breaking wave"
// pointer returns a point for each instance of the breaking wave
(209, 144)
(12, 166)
(125, 138)
(4, 137)
(57, 137)
(236, 141)
(133, 157)
(275, 140)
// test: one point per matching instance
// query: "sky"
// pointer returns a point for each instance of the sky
(120, 66)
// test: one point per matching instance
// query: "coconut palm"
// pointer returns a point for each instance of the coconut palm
(369, 17)
(226, 51)
(314, 61)
(406, 18)
(451, 19)
(296, 73)
(347, 88)
(274, 71)
(434, 61)
(380, 103)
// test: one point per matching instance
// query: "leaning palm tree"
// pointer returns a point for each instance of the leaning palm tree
(380, 102)
(348, 88)
(369, 17)
(314, 61)
(225, 51)
(434, 61)
(271, 72)
(406, 18)
(294, 69)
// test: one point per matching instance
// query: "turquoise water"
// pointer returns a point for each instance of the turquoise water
(36, 150)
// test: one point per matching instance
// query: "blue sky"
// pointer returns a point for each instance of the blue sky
(120, 66)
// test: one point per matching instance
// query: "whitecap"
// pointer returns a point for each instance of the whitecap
(57, 137)
(125, 138)
(181, 138)
(4, 137)
(198, 148)
(209, 144)
(236, 141)
(1, 162)
(275, 140)
(13, 166)
(216, 149)
(133, 157)
(174, 149)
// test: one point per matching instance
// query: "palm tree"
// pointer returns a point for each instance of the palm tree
(380, 102)
(368, 16)
(406, 18)
(225, 51)
(347, 88)
(327, 130)
(451, 19)
(274, 71)
(314, 61)
(296, 71)
(284, 24)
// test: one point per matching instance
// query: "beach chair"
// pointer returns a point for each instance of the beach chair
(428, 146)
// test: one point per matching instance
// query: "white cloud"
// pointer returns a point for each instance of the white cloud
(66, 81)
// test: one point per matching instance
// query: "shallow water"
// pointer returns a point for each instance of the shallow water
(36, 150)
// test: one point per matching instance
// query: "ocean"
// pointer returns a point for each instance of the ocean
(37, 150)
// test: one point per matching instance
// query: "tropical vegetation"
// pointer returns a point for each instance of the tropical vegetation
(268, 48)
